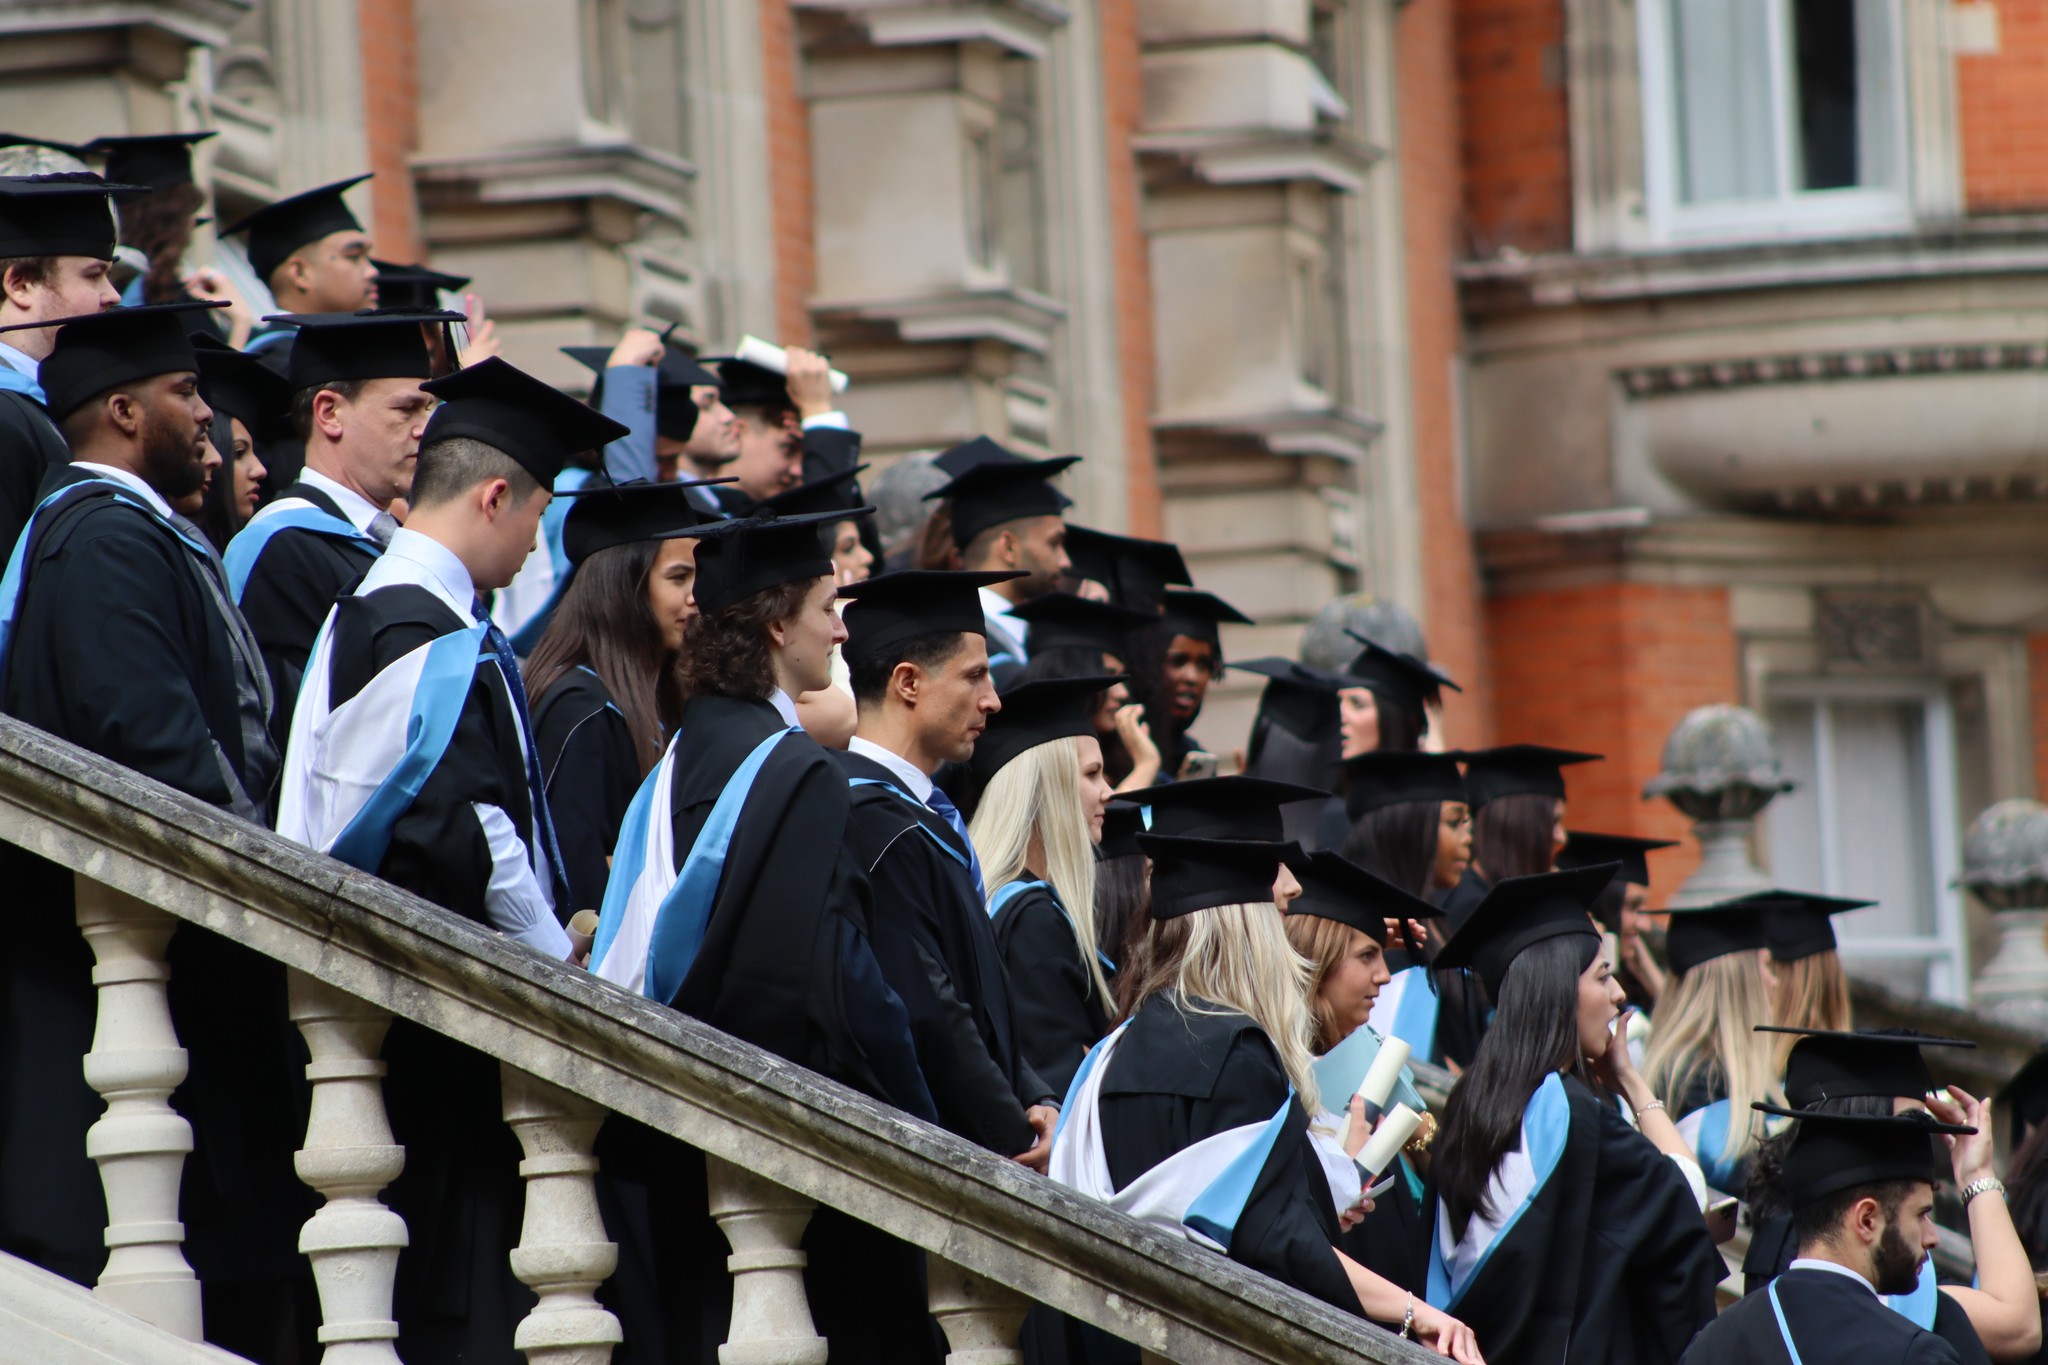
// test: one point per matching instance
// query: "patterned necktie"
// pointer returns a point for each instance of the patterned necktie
(950, 813)
(536, 785)
(382, 527)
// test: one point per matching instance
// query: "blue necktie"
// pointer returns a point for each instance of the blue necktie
(950, 813)
(536, 786)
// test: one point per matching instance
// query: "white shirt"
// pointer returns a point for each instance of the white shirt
(424, 562)
(1815, 1263)
(20, 363)
(359, 510)
(997, 609)
(129, 481)
(785, 706)
(913, 778)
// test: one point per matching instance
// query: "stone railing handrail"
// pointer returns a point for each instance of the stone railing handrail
(367, 939)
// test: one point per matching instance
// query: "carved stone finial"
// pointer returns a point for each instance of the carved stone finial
(1326, 645)
(1720, 768)
(2005, 865)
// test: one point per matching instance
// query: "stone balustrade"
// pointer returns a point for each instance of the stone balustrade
(779, 1140)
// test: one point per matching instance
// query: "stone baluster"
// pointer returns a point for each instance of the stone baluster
(140, 1143)
(2005, 865)
(764, 1223)
(1721, 769)
(562, 1253)
(352, 1239)
(981, 1319)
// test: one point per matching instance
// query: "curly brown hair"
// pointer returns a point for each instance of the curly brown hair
(159, 226)
(728, 650)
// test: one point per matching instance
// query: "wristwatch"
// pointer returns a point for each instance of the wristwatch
(1981, 1185)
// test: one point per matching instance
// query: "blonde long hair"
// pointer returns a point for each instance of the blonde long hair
(1708, 1019)
(1813, 992)
(1324, 944)
(1039, 793)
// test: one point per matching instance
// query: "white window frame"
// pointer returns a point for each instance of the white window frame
(1790, 213)
(1946, 952)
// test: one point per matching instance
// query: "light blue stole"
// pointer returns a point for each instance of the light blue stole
(1546, 1124)
(249, 543)
(1215, 1211)
(1009, 891)
(951, 852)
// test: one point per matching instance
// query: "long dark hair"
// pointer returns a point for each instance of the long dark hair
(159, 225)
(1145, 661)
(218, 515)
(1078, 661)
(1400, 728)
(603, 623)
(1123, 903)
(1511, 836)
(2026, 1193)
(1398, 842)
(1535, 1033)
(729, 655)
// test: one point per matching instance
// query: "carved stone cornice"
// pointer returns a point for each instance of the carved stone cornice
(1024, 27)
(1264, 155)
(623, 171)
(1017, 317)
(1335, 431)
(204, 22)
(1650, 381)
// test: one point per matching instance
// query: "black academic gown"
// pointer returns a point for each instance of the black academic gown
(1831, 1319)
(1180, 1076)
(30, 447)
(120, 649)
(1771, 1252)
(1611, 1262)
(587, 761)
(292, 586)
(1060, 1014)
(1463, 1010)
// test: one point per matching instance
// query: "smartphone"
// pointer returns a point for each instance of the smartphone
(1720, 1219)
(1196, 765)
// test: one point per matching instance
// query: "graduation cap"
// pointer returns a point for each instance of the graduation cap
(833, 493)
(95, 352)
(973, 453)
(2026, 1094)
(675, 375)
(743, 384)
(740, 556)
(1036, 713)
(1122, 823)
(1519, 770)
(1200, 615)
(1135, 571)
(1835, 1152)
(410, 288)
(1797, 924)
(1337, 888)
(24, 140)
(891, 608)
(1235, 807)
(243, 387)
(161, 161)
(996, 491)
(1583, 849)
(69, 213)
(276, 230)
(1519, 912)
(1298, 698)
(1397, 777)
(374, 343)
(609, 514)
(1063, 620)
(507, 409)
(1706, 932)
(1402, 679)
(1833, 1064)
(1201, 874)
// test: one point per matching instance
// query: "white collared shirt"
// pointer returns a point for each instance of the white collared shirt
(359, 510)
(426, 562)
(20, 362)
(1815, 1263)
(129, 481)
(914, 779)
(785, 706)
(997, 608)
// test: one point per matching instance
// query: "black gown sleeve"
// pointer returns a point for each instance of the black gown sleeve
(1057, 1013)
(290, 591)
(29, 448)
(587, 755)
(1952, 1324)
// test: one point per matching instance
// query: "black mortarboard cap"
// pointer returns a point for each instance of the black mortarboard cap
(1200, 615)
(375, 343)
(1062, 620)
(161, 161)
(1036, 713)
(501, 405)
(834, 493)
(610, 514)
(2026, 1094)
(1396, 777)
(741, 556)
(1201, 874)
(743, 384)
(1136, 572)
(973, 453)
(243, 387)
(95, 352)
(410, 288)
(1336, 888)
(1835, 1152)
(1583, 849)
(890, 608)
(1403, 679)
(675, 410)
(277, 230)
(1518, 770)
(66, 214)
(1519, 912)
(1799, 924)
(998, 491)
(1234, 807)
(24, 140)
(1830, 1064)
(1298, 698)
(1122, 823)
(1703, 933)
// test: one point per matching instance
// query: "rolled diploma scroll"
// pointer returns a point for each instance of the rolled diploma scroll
(582, 930)
(769, 356)
(1387, 1140)
(1381, 1076)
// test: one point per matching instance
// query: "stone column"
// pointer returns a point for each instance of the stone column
(980, 1319)
(1721, 769)
(771, 1318)
(2005, 865)
(352, 1239)
(562, 1253)
(140, 1143)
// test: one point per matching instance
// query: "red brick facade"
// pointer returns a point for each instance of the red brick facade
(391, 124)
(2004, 118)
(1123, 106)
(1515, 127)
(789, 169)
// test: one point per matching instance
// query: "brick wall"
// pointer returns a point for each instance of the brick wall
(1122, 98)
(2004, 116)
(789, 172)
(1430, 207)
(1516, 132)
(391, 119)
(2037, 687)
(1611, 669)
